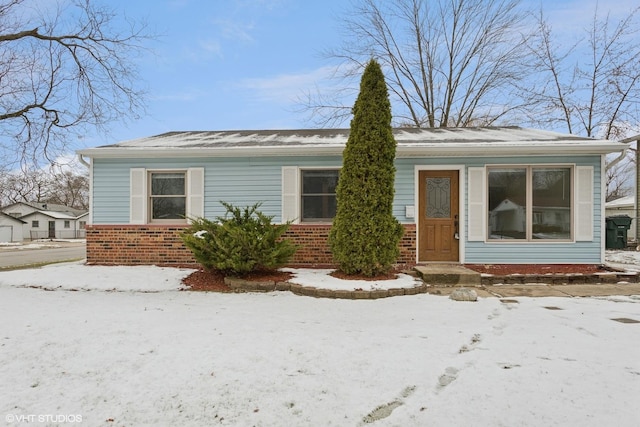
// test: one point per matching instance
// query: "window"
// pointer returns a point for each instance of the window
(318, 195)
(67, 224)
(530, 203)
(35, 224)
(167, 198)
(82, 225)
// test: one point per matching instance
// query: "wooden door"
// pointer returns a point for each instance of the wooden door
(52, 229)
(438, 213)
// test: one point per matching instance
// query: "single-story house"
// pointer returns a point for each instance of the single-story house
(54, 225)
(48, 220)
(623, 206)
(448, 182)
(10, 228)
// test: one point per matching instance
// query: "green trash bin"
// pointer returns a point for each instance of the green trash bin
(617, 227)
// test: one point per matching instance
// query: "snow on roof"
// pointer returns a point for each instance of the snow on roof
(51, 214)
(628, 201)
(277, 142)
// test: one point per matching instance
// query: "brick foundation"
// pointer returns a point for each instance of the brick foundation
(161, 245)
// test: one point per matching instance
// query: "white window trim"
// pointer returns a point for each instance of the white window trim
(292, 193)
(140, 197)
(300, 185)
(575, 209)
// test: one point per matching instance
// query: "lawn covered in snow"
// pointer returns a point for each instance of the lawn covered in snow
(149, 354)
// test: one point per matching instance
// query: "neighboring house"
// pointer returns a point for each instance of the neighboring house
(454, 189)
(10, 228)
(48, 220)
(624, 206)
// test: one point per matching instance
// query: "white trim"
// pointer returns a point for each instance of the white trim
(290, 194)
(584, 230)
(195, 193)
(148, 194)
(300, 185)
(461, 208)
(441, 149)
(479, 202)
(529, 168)
(603, 213)
(138, 201)
(90, 218)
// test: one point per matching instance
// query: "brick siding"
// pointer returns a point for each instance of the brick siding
(162, 245)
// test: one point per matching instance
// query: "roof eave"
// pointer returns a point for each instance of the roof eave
(422, 150)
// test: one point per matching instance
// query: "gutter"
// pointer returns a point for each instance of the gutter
(83, 161)
(402, 150)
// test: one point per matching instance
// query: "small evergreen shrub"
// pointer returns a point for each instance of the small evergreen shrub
(242, 241)
(365, 234)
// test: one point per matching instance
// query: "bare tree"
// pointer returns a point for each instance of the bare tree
(592, 86)
(619, 179)
(63, 70)
(447, 62)
(24, 186)
(64, 187)
(70, 189)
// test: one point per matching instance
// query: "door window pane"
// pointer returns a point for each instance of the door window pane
(438, 198)
(508, 203)
(551, 203)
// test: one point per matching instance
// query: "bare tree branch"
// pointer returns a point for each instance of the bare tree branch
(447, 62)
(63, 72)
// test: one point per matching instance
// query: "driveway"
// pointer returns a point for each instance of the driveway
(29, 253)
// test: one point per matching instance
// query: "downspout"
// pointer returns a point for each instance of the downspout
(88, 166)
(637, 195)
(617, 159)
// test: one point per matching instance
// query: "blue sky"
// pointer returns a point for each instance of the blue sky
(240, 64)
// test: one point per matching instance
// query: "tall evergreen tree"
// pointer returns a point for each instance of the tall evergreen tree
(365, 235)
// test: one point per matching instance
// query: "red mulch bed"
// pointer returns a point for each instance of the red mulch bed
(508, 269)
(213, 281)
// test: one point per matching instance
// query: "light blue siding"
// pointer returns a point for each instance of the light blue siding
(244, 181)
(514, 253)
(238, 181)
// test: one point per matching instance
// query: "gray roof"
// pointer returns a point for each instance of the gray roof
(411, 141)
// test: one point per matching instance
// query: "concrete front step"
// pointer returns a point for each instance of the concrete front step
(448, 275)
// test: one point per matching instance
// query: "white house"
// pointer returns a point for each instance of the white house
(47, 220)
(10, 228)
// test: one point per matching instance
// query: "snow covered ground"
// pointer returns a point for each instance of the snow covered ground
(127, 348)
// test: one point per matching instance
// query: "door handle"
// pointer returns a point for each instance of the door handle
(456, 234)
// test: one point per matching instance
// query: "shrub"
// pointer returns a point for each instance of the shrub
(242, 241)
(365, 234)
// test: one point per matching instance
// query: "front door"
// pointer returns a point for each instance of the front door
(438, 210)
(52, 229)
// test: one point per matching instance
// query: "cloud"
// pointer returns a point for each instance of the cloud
(284, 88)
(211, 47)
(573, 17)
(235, 30)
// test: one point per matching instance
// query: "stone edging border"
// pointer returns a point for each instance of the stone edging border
(240, 285)
(562, 279)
